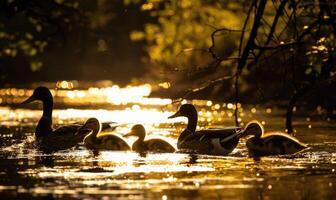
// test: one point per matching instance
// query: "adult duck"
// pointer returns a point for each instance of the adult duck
(105, 141)
(270, 143)
(48, 139)
(207, 141)
(151, 145)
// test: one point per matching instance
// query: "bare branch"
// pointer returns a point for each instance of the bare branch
(284, 45)
(208, 84)
(250, 42)
(271, 32)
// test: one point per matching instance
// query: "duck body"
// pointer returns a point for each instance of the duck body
(111, 126)
(151, 145)
(106, 141)
(271, 143)
(63, 138)
(112, 142)
(48, 139)
(208, 141)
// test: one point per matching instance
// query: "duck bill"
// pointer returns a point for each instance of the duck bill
(130, 134)
(177, 114)
(29, 100)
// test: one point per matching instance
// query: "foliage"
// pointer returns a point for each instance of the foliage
(182, 32)
(26, 27)
(68, 38)
(252, 51)
(284, 49)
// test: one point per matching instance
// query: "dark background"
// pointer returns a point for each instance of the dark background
(71, 53)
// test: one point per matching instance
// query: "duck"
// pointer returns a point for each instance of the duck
(207, 141)
(269, 143)
(150, 145)
(47, 138)
(106, 141)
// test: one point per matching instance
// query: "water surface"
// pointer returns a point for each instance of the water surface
(26, 173)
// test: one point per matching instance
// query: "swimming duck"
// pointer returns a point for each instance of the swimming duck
(50, 140)
(270, 143)
(208, 141)
(152, 145)
(106, 141)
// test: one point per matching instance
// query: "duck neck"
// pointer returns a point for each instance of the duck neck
(140, 139)
(96, 128)
(44, 126)
(191, 127)
(192, 121)
(139, 145)
(91, 138)
(48, 107)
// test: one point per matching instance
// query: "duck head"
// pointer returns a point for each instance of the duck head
(253, 128)
(41, 94)
(185, 110)
(94, 125)
(189, 111)
(137, 130)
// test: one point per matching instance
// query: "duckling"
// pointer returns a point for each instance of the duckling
(208, 141)
(270, 143)
(62, 138)
(106, 141)
(152, 145)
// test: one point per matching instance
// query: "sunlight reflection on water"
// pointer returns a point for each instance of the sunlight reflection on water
(79, 173)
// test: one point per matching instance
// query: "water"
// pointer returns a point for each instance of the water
(26, 173)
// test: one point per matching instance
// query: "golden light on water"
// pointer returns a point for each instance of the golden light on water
(129, 115)
(124, 105)
(269, 110)
(113, 95)
(137, 105)
(118, 96)
(132, 174)
(65, 84)
(120, 163)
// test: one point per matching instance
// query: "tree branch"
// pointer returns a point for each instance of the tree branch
(250, 42)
